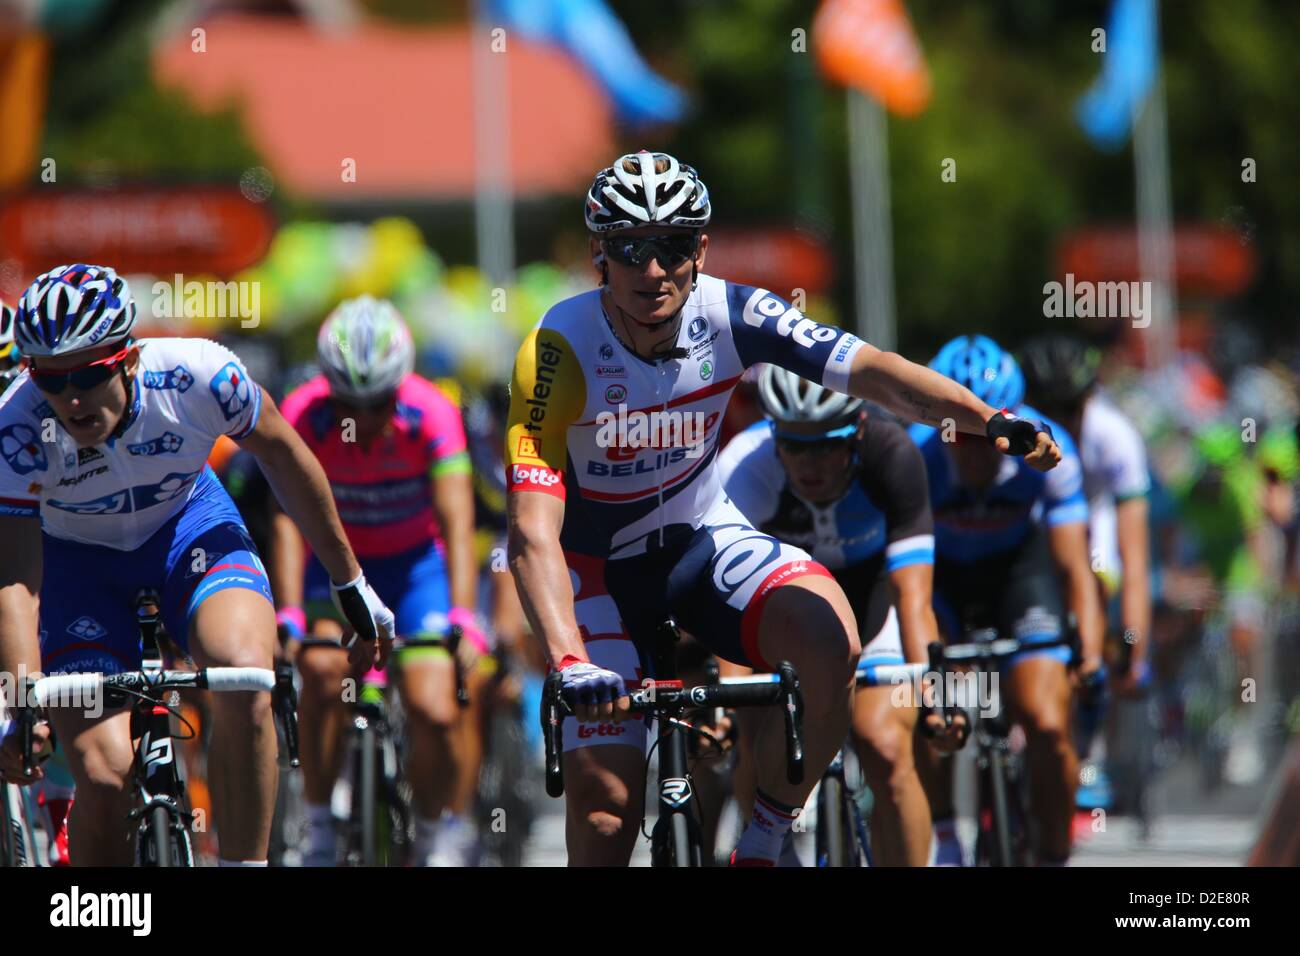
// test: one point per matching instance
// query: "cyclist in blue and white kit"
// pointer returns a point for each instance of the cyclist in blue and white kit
(849, 488)
(104, 491)
(1011, 552)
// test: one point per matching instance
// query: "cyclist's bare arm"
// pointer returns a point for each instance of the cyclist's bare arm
(284, 568)
(1131, 518)
(453, 503)
(540, 573)
(1069, 544)
(913, 586)
(920, 394)
(20, 588)
(302, 489)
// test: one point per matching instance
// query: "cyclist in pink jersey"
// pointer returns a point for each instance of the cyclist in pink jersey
(393, 447)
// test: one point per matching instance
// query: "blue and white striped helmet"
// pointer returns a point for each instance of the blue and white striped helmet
(980, 364)
(73, 308)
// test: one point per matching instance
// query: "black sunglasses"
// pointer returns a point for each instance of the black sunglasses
(670, 251)
(83, 377)
(837, 439)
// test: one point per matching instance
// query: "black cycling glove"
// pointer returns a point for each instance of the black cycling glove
(1021, 432)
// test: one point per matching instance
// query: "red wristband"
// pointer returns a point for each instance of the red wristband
(568, 660)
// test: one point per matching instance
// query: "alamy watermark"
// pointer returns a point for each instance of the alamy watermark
(1100, 300)
(210, 299)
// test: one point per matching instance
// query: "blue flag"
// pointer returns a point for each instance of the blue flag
(1128, 70)
(590, 31)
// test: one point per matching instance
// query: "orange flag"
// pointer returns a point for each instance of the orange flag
(869, 45)
(24, 60)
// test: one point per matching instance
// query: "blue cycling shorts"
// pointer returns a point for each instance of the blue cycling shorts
(88, 592)
(413, 583)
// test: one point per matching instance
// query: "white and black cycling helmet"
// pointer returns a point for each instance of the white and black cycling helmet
(73, 308)
(647, 189)
(365, 349)
(788, 398)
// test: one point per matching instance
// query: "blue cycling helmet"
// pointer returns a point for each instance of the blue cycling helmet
(73, 308)
(980, 364)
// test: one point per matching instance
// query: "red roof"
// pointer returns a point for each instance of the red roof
(397, 101)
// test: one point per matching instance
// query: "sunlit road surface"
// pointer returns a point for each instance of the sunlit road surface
(1191, 829)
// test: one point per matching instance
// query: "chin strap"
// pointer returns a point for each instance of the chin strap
(127, 416)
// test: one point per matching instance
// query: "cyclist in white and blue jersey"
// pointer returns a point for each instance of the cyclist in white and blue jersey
(849, 487)
(105, 491)
(1011, 552)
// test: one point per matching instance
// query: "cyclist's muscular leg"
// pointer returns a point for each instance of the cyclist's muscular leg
(900, 817)
(604, 802)
(236, 628)
(99, 755)
(1038, 697)
(427, 683)
(809, 623)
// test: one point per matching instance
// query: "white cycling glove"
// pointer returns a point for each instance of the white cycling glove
(357, 601)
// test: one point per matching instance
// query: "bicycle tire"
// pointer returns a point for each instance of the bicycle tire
(369, 786)
(999, 810)
(16, 849)
(160, 836)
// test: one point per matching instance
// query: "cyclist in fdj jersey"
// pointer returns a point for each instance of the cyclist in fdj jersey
(394, 449)
(617, 516)
(850, 489)
(104, 491)
(1011, 552)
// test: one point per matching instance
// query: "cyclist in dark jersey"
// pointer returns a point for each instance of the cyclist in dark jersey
(850, 488)
(1011, 552)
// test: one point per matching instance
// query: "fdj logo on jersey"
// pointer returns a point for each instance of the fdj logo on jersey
(21, 448)
(168, 443)
(178, 378)
(763, 305)
(232, 389)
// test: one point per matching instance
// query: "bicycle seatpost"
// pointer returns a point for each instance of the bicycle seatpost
(148, 607)
(665, 649)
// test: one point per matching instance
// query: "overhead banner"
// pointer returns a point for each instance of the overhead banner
(870, 45)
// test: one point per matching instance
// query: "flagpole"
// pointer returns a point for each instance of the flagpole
(1155, 219)
(494, 227)
(873, 254)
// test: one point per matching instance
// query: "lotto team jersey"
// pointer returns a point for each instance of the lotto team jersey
(632, 442)
(384, 492)
(187, 392)
(971, 526)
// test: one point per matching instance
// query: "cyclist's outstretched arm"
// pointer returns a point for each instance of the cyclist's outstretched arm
(1069, 544)
(920, 394)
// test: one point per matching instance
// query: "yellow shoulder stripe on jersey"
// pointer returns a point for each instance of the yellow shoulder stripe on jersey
(547, 395)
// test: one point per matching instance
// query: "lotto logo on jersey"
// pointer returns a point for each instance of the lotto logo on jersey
(168, 443)
(529, 447)
(21, 448)
(763, 305)
(232, 389)
(541, 477)
(587, 731)
(178, 378)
